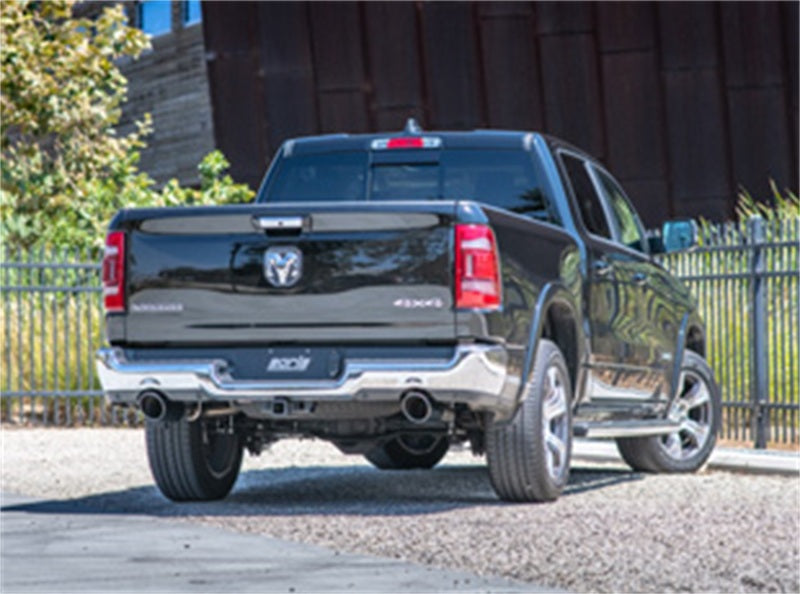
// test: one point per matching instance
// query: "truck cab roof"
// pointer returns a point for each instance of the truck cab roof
(484, 139)
(452, 139)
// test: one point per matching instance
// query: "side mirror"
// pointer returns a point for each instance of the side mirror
(679, 235)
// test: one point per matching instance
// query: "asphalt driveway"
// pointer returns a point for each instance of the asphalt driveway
(61, 546)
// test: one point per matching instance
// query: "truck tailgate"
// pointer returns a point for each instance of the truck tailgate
(350, 272)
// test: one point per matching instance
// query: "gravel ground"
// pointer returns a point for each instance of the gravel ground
(613, 530)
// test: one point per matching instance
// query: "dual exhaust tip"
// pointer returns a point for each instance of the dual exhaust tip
(156, 407)
(415, 405)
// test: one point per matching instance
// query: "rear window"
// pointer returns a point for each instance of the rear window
(332, 176)
(502, 178)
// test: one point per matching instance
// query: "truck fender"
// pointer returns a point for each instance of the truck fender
(552, 293)
(680, 349)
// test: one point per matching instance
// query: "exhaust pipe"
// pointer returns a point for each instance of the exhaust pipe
(156, 407)
(416, 406)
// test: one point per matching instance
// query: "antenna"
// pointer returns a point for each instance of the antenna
(412, 127)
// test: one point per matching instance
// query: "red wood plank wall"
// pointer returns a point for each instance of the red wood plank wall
(685, 102)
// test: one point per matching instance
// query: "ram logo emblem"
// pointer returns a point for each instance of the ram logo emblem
(283, 266)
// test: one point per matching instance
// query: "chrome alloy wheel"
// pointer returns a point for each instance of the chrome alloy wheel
(555, 422)
(694, 411)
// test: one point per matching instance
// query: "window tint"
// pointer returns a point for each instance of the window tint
(504, 179)
(191, 12)
(155, 16)
(592, 214)
(330, 176)
(629, 228)
(413, 181)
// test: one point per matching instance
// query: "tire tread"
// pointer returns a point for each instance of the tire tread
(517, 466)
(177, 463)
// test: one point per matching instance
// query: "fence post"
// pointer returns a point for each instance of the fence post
(758, 302)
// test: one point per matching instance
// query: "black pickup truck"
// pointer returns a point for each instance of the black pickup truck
(399, 293)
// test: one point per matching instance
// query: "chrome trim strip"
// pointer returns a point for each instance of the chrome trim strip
(476, 375)
(608, 429)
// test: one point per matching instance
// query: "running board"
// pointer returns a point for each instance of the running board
(606, 429)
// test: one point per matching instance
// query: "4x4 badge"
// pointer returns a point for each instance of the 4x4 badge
(283, 266)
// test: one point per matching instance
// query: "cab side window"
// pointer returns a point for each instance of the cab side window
(589, 205)
(629, 228)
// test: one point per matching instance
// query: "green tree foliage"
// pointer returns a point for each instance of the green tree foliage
(65, 167)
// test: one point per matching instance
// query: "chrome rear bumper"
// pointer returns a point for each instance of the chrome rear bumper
(476, 375)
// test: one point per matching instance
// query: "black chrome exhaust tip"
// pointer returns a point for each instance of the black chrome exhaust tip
(156, 407)
(416, 406)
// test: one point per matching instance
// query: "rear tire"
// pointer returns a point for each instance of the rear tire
(529, 456)
(698, 408)
(409, 451)
(192, 461)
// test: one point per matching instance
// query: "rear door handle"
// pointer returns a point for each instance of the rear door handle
(601, 267)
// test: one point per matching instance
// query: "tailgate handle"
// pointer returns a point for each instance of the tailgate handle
(278, 223)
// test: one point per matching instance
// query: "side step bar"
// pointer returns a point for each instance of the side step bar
(642, 428)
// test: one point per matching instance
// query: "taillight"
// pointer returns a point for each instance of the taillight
(406, 142)
(114, 272)
(477, 268)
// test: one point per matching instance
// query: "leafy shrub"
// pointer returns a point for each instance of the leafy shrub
(65, 167)
(783, 207)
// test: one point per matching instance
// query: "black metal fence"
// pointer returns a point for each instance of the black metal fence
(745, 278)
(51, 324)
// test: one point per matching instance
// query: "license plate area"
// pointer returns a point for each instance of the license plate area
(286, 364)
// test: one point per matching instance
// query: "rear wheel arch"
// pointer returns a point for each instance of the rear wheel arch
(696, 340)
(556, 317)
(561, 327)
